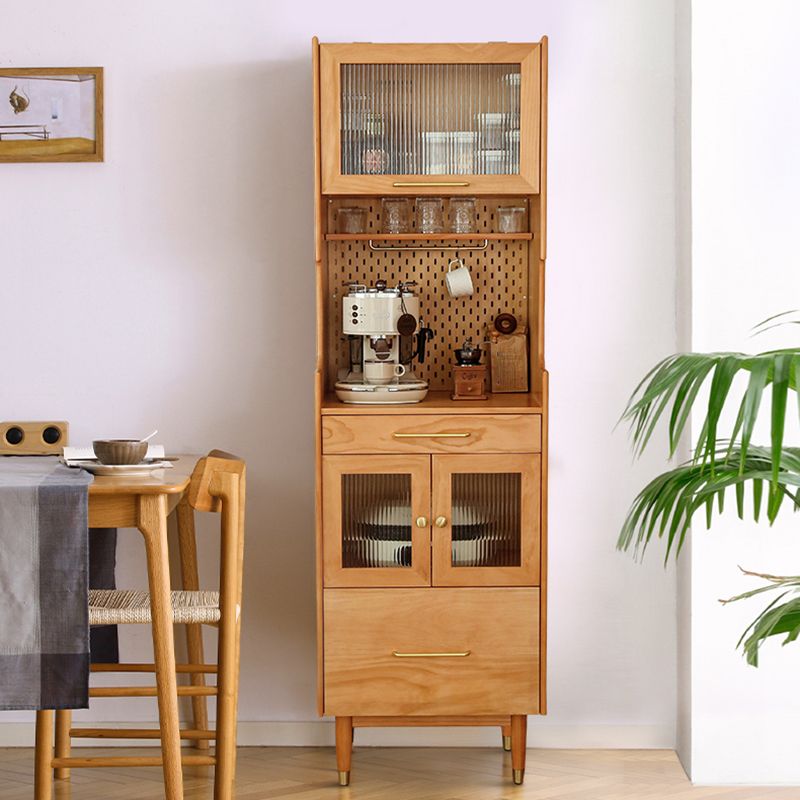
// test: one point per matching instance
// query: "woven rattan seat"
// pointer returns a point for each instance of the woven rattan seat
(129, 607)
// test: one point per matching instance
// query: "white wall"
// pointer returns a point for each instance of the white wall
(184, 265)
(745, 173)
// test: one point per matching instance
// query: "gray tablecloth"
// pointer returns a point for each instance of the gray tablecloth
(44, 566)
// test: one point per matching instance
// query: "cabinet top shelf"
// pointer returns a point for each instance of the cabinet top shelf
(440, 402)
(425, 237)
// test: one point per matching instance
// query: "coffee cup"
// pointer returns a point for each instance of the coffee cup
(458, 280)
(382, 372)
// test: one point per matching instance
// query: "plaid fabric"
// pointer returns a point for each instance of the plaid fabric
(44, 565)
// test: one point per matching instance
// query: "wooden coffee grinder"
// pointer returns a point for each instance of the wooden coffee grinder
(469, 375)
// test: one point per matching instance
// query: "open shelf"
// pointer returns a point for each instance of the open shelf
(440, 402)
(426, 237)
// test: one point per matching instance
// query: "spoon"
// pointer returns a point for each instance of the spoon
(149, 436)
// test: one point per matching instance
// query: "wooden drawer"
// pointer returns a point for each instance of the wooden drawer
(434, 433)
(365, 628)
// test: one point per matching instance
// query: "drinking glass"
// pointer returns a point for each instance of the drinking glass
(351, 219)
(430, 214)
(511, 219)
(462, 215)
(396, 213)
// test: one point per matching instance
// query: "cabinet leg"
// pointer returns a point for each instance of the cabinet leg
(506, 729)
(344, 748)
(519, 732)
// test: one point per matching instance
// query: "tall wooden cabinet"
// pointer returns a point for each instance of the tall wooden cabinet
(440, 619)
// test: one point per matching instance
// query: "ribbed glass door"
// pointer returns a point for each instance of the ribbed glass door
(376, 511)
(430, 119)
(422, 119)
(486, 518)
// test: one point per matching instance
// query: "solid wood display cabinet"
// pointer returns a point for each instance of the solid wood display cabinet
(431, 517)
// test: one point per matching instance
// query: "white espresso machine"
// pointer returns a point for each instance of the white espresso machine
(380, 317)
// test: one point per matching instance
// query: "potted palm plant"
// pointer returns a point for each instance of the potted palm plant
(768, 474)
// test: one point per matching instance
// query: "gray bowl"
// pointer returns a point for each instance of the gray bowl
(119, 451)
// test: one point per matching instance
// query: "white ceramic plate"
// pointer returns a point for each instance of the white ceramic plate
(127, 470)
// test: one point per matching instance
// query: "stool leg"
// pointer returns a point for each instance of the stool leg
(187, 547)
(344, 748)
(519, 733)
(506, 729)
(43, 769)
(63, 742)
(227, 647)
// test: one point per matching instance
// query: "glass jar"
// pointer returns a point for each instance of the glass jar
(511, 219)
(396, 213)
(462, 215)
(491, 127)
(351, 219)
(430, 214)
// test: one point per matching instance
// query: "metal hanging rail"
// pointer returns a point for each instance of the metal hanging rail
(395, 248)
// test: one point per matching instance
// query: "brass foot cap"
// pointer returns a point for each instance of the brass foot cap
(344, 777)
(507, 743)
(519, 776)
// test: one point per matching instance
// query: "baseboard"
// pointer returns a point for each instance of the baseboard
(320, 733)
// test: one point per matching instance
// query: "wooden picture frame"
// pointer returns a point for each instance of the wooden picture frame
(51, 114)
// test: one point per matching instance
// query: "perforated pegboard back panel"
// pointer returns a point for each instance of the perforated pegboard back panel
(500, 276)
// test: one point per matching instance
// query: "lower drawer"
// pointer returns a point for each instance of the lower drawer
(431, 651)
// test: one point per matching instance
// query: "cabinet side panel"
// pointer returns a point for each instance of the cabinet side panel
(319, 388)
(545, 382)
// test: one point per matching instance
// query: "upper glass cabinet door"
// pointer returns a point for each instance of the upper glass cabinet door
(404, 119)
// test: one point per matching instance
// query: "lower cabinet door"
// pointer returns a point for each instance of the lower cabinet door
(376, 530)
(486, 514)
(431, 651)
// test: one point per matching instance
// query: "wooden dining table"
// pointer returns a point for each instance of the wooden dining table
(144, 503)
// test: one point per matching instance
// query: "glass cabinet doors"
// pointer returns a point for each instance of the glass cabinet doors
(486, 520)
(375, 513)
(422, 118)
(476, 517)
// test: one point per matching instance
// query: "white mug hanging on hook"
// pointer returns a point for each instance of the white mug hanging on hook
(458, 280)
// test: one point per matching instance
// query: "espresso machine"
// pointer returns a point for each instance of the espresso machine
(378, 319)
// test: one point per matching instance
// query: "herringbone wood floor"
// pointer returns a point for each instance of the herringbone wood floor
(305, 773)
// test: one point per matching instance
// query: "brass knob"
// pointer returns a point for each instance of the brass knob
(422, 522)
(440, 522)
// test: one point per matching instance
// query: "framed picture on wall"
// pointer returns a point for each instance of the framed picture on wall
(51, 114)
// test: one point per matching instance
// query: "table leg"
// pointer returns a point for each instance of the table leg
(43, 770)
(153, 525)
(63, 741)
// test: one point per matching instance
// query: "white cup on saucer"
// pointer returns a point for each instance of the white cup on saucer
(382, 372)
(458, 280)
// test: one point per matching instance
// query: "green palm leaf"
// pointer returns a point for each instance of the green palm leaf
(666, 506)
(671, 388)
(722, 459)
(776, 619)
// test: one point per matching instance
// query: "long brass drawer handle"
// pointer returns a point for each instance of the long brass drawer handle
(431, 435)
(399, 184)
(462, 654)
